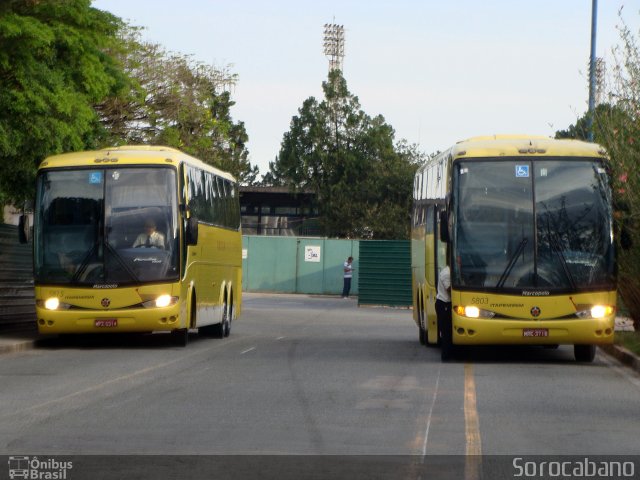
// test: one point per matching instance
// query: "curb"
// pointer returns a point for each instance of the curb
(18, 347)
(623, 355)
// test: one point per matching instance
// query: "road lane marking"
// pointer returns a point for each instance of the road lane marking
(472, 427)
(247, 350)
(429, 415)
(64, 399)
(281, 338)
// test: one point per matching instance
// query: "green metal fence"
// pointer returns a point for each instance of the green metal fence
(385, 273)
(296, 264)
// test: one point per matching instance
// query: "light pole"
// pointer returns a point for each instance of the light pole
(592, 71)
(334, 45)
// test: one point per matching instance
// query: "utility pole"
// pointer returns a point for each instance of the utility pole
(592, 71)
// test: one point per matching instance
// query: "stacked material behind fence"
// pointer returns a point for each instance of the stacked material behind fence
(17, 306)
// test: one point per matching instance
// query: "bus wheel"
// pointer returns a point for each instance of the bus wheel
(222, 329)
(422, 334)
(227, 328)
(180, 337)
(584, 353)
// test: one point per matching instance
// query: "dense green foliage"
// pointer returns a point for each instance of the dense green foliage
(172, 100)
(53, 68)
(617, 128)
(73, 77)
(363, 180)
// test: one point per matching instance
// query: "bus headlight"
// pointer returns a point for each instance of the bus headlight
(474, 312)
(161, 302)
(597, 311)
(53, 303)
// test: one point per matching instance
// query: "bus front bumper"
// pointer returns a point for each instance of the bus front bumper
(92, 321)
(482, 331)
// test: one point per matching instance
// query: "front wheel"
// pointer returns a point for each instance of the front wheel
(180, 337)
(584, 353)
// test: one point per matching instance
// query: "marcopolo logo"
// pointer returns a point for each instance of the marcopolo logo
(38, 469)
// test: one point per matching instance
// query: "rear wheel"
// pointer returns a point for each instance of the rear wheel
(584, 353)
(222, 329)
(422, 333)
(227, 325)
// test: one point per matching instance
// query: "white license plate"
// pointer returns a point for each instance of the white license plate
(535, 332)
(106, 322)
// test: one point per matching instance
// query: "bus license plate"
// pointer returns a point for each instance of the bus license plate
(535, 332)
(106, 322)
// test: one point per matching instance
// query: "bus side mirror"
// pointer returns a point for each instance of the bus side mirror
(192, 231)
(444, 226)
(23, 229)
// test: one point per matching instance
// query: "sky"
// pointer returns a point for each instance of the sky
(439, 71)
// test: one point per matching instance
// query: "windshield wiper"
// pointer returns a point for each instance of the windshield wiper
(122, 263)
(86, 260)
(555, 245)
(512, 262)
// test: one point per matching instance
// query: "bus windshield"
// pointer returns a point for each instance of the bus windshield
(106, 226)
(541, 224)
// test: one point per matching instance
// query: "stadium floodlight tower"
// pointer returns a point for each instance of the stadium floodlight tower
(334, 45)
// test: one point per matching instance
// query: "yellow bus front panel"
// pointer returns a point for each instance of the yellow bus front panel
(483, 319)
(132, 309)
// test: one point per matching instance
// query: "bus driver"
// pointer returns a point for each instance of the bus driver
(151, 237)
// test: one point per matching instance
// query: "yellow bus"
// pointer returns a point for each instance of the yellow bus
(136, 239)
(525, 225)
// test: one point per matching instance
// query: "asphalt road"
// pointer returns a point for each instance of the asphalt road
(311, 376)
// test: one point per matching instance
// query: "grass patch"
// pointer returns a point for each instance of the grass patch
(629, 340)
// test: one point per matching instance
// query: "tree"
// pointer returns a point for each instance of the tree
(52, 70)
(172, 100)
(362, 180)
(617, 128)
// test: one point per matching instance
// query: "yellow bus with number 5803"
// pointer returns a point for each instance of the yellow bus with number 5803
(525, 224)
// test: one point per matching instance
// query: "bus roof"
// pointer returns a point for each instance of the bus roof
(129, 155)
(530, 145)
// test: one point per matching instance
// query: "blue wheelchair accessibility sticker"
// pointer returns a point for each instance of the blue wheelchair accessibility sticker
(522, 171)
(95, 177)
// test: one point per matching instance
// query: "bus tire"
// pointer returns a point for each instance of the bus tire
(220, 329)
(422, 333)
(227, 330)
(584, 353)
(180, 337)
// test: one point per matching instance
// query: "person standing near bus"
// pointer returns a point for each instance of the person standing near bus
(348, 274)
(443, 297)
